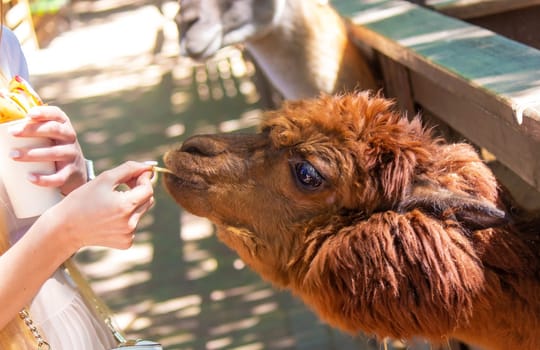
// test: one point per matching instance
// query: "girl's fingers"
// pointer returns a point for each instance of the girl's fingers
(61, 133)
(142, 179)
(57, 179)
(47, 113)
(126, 172)
(140, 194)
(59, 153)
(139, 212)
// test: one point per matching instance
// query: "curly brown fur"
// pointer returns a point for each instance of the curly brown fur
(378, 226)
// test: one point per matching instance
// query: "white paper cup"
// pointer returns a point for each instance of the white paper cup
(27, 199)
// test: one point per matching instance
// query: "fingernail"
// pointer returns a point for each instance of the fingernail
(14, 153)
(33, 112)
(31, 177)
(150, 162)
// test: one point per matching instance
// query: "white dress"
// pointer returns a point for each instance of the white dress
(58, 308)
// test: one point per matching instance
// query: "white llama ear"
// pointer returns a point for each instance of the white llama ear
(471, 212)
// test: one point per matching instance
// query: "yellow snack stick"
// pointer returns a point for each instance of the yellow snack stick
(162, 170)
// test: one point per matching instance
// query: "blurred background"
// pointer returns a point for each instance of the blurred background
(114, 67)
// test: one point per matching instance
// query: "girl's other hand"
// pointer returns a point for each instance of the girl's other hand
(51, 122)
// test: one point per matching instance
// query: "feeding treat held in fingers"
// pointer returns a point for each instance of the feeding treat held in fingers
(161, 170)
(156, 170)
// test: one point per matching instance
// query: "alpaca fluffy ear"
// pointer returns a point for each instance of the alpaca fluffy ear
(471, 212)
(394, 171)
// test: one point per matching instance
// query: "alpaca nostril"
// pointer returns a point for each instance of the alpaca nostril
(183, 24)
(193, 150)
(188, 14)
(203, 146)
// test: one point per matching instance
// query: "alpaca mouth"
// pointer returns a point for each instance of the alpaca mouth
(184, 181)
(180, 177)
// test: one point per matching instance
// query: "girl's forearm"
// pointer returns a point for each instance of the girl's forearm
(28, 263)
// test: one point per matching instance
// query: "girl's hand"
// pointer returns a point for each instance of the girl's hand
(98, 214)
(51, 122)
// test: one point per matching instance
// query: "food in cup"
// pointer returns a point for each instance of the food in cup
(17, 99)
(27, 199)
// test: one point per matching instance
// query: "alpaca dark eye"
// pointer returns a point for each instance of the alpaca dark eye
(308, 175)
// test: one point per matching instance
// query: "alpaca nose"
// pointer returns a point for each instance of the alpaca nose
(204, 146)
(187, 15)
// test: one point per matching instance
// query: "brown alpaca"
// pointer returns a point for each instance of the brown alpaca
(375, 224)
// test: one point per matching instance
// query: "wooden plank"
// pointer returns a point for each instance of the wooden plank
(397, 84)
(476, 8)
(478, 124)
(495, 75)
(18, 18)
(472, 61)
(521, 25)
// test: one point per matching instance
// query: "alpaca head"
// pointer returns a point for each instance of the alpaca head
(356, 209)
(206, 26)
(308, 35)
